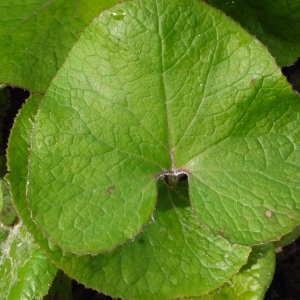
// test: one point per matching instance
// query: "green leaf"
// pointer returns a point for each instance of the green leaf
(25, 272)
(17, 155)
(253, 280)
(36, 36)
(126, 109)
(172, 123)
(17, 152)
(173, 256)
(8, 214)
(288, 238)
(4, 232)
(275, 23)
(172, 244)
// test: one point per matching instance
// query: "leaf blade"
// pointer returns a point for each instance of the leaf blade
(25, 271)
(86, 268)
(43, 24)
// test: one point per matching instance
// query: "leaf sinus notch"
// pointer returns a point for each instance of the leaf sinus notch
(173, 177)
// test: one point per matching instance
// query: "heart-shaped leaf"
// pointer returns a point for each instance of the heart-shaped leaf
(164, 88)
(172, 248)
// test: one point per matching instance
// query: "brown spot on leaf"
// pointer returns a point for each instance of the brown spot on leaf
(111, 189)
(222, 231)
(269, 213)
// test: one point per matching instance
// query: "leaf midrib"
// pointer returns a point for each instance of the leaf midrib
(160, 54)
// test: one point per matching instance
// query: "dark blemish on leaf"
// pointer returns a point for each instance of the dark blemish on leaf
(111, 189)
(288, 116)
(222, 231)
(269, 213)
(141, 241)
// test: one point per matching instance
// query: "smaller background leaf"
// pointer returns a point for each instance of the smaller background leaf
(8, 214)
(36, 36)
(288, 238)
(275, 23)
(4, 232)
(253, 280)
(25, 272)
